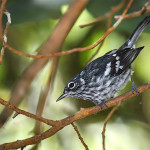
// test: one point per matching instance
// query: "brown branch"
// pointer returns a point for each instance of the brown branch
(53, 44)
(2, 54)
(79, 136)
(97, 51)
(75, 49)
(30, 115)
(113, 10)
(5, 34)
(105, 123)
(79, 115)
(127, 8)
(145, 9)
(1, 15)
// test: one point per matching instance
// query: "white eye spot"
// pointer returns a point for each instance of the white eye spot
(71, 85)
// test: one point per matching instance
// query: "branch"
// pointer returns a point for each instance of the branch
(75, 49)
(66, 121)
(5, 34)
(25, 113)
(114, 26)
(79, 136)
(109, 22)
(105, 123)
(145, 9)
(113, 10)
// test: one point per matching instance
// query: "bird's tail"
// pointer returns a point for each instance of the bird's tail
(139, 29)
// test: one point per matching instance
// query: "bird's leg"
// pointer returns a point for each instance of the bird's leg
(113, 95)
(134, 87)
(102, 104)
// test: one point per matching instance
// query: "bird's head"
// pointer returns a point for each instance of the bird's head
(73, 88)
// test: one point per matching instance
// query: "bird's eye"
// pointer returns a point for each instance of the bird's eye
(71, 85)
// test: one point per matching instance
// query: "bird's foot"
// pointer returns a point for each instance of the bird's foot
(103, 105)
(134, 88)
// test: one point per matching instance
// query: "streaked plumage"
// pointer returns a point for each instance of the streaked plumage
(106, 75)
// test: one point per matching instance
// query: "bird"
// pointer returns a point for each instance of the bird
(101, 79)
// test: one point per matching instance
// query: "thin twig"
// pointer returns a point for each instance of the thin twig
(105, 123)
(145, 9)
(102, 43)
(79, 136)
(64, 122)
(113, 10)
(5, 34)
(113, 27)
(97, 51)
(75, 49)
(30, 115)
(2, 54)
(53, 44)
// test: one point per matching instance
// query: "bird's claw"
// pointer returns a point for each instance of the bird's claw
(102, 104)
(134, 88)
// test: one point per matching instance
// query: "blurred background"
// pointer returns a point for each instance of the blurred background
(32, 23)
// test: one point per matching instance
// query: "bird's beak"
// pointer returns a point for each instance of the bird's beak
(61, 97)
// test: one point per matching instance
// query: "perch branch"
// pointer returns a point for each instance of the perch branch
(66, 121)
(25, 113)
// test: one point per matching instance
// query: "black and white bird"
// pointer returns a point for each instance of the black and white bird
(103, 77)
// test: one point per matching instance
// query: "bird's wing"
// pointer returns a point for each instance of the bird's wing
(122, 59)
(112, 63)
